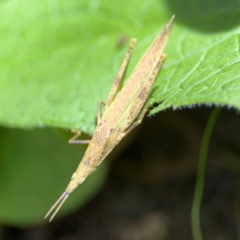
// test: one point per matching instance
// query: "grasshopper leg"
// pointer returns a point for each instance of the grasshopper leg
(100, 105)
(117, 83)
(74, 140)
(142, 114)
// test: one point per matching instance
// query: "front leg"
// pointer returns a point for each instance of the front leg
(74, 140)
(117, 83)
(100, 104)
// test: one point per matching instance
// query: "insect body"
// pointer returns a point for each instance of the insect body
(124, 110)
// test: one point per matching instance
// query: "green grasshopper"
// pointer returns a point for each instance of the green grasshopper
(124, 110)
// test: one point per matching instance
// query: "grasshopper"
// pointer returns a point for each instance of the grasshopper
(124, 110)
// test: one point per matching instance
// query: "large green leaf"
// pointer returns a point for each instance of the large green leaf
(58, 58)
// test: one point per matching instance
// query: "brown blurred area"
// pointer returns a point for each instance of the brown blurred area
(149, 192)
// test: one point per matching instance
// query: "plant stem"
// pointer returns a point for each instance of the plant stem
(196, 207)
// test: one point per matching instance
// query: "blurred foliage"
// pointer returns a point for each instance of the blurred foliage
(35, 168)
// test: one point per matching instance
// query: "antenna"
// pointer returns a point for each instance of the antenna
(60, 201)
